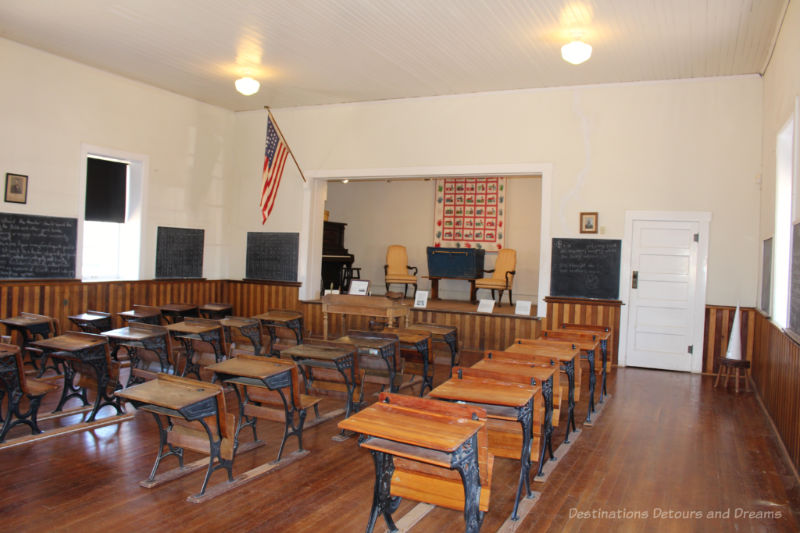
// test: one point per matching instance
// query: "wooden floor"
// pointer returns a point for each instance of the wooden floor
(665, 443)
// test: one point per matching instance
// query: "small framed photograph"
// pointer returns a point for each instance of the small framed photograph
(588, 222)
(16, 188)
(359, 287)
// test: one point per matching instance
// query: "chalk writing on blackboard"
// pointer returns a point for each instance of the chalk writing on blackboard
(585, 268)
(179, 253)
(37, 247)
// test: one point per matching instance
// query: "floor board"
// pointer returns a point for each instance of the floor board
(666, 442)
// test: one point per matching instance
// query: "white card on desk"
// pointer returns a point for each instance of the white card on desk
(523, 307)
(421, 299)
(485, 306)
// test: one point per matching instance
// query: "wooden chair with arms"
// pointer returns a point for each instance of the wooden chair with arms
(396, 268)
(502, 274)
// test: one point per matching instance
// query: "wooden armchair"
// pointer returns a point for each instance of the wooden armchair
(502, 274)
(397, 268)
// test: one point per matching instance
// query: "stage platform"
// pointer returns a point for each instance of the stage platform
(476, 331)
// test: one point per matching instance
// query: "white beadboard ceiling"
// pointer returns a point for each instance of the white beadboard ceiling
(308, 52)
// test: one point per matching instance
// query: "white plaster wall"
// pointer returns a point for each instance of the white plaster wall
(243, 212)
(781, 87)
(49, 106)
(690, 145)
(381, 212)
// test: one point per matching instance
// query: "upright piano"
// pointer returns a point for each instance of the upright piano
(337, 263)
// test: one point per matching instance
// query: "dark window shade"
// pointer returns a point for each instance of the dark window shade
(105, 190)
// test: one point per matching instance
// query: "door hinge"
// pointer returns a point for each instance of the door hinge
(690, 349)
(696, 237)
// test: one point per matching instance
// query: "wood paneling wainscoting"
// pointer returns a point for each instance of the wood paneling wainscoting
(586, 311)
(776, 373)
(476, 331)
(62, 298)
(718, 324)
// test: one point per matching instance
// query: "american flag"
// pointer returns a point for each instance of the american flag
(274, 159)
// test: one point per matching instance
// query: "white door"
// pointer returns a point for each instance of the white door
(664, 305)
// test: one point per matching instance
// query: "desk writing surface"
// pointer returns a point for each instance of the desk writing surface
(248, 368)
(539, 373)
(602, 335)
(237, 322)
(412, 426)
(177, 308)
(554, 352)
(89, 316)
(279, 315)
(216, 307)
(362, 305)
(582, 343)
(129, 333)
(191, 328)
(310, 351)
(409, 335)
(170, 394)
(70, 342)
(25, 320)
(140, 313)
(484, 391)
(371, 343)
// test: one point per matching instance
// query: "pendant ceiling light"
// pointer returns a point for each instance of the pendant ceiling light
(247, 86)
(576, 52)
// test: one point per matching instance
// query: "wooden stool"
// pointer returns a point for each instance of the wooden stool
(726, 364)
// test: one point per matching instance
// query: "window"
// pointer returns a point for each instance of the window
(112, 216)
(783, 225)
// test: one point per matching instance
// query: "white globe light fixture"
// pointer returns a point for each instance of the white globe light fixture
(247, 86)
(576, 52)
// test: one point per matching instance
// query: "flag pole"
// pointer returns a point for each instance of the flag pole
(286, 143)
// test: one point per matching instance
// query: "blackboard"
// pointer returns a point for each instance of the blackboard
(272, 256)
(766, 276)
(585, 268)
(794, 289)
(179, 253)
(37, 247)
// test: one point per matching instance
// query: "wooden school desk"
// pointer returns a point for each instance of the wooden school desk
(503, 402)
(202, 406)
(92, 321)
(342, 360)
(604, 334)
(416, 341)
(215, 310)
(137, 337)
(275, 318)
(565, 357)
(250, 371)
(414, 441)
(546, 378)
(198, 329)
(30, 327)
(142, 313)
(382, 345)
(84, 354)
(176, 312)
(249, 328)
(442, 333)
(589, 344)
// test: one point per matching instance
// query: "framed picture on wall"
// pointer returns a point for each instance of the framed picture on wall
(588, 222)
(16, 188)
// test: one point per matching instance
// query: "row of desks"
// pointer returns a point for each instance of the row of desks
(511, 387)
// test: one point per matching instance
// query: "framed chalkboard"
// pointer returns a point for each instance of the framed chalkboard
(179, 253)
(585, 268)
(37, 247)
(272, 256)
(766, 276)
(794, 288)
